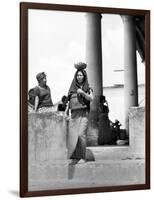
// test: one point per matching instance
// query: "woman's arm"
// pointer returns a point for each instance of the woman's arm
(89, 97)
(67, 109)
(107, 106)
(36, 103)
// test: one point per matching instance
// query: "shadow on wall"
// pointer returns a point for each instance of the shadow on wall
(72, 164)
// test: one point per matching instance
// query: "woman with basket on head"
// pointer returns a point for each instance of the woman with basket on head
(79, 96)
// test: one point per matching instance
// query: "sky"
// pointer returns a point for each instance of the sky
(57, 40)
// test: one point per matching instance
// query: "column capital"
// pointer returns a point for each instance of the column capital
(95, 15)
(127, 18)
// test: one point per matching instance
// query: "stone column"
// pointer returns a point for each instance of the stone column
(94, 58)
(130, 65)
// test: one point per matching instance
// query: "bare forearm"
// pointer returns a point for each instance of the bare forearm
(89, 97)
(67, 109)
(36, 103)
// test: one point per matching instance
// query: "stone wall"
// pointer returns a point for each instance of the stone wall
(48, 137)
(47, 148)
(137, 130)
(47, 134)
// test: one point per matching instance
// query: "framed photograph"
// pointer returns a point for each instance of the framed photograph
(84, 99)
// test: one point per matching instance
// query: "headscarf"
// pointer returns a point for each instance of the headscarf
(75, 86)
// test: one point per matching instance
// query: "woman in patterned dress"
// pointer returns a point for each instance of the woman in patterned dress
(79, 95)
(40, 96)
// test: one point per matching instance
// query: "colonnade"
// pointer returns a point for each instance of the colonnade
(94, 61)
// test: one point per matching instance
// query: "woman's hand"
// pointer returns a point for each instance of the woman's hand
(79, 91)
(89, 97)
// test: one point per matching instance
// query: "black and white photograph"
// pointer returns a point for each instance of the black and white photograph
(86, 99)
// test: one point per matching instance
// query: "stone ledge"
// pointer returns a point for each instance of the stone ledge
(114, 153)
(91, 174)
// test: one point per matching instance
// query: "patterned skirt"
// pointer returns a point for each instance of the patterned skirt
(45, 109)
(77, 133)
(40, 110)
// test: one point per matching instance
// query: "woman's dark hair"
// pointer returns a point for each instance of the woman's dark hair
(102, 98)
(83, 72)
(75, 86)
(40, 76)
(64, 98)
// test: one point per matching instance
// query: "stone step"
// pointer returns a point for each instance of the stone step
(89, 174)
(101, 153)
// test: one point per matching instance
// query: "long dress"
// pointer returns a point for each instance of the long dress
(78, 124)
(104, 126)
(77, 134)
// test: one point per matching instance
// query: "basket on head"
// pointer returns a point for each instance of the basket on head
(80, 65)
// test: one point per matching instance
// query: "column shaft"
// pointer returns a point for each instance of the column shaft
(94, 56)
(130, 66)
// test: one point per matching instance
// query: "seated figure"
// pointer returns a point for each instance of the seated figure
(40, 96)
(104, 122)
(63, 105)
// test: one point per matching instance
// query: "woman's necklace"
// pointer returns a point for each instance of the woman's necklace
(41, 87)
(81, 87)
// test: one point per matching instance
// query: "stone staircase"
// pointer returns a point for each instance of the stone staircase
(90, 174)
(50, 169)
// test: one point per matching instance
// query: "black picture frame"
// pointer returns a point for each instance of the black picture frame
(24, 7)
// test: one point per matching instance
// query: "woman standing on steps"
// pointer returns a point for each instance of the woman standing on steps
(79, 96)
